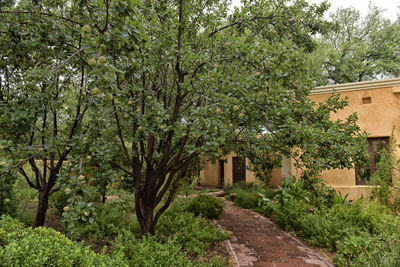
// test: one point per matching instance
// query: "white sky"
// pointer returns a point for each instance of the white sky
(391, 6)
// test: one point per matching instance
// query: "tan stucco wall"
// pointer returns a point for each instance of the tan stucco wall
(228, 172)
(353, 192)
(210, 175)
(376, 118)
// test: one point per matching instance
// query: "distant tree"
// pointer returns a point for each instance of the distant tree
(357, 49)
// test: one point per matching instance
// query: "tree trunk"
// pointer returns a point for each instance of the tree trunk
(147, 225)
(41, 208)
(147, 209)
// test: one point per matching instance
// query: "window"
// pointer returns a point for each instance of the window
(375, 145)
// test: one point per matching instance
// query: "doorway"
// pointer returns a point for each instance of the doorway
(239, 170)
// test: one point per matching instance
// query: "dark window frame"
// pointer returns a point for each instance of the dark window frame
(372, 163)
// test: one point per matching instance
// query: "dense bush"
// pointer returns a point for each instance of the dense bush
(386, 178)
(8, 203)
(205, 205)
(245, 199)
(195, 234)
(179, 232)
(361, 233)
(20, 246)
(59, 200)
(249, 195)
(108, 219)
(320, 231)
(149, 251)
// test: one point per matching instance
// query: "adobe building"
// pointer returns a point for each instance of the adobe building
(377, 104)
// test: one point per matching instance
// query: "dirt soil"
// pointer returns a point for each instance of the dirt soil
(257, 241)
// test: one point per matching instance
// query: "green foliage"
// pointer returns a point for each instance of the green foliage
(195, 234)
(352, 246)
(207, 206)
(366, 250)
(22, 200)
(20, 246)
(249, 195)
(181, 239)
(360, 233)
(59, 200)
(356, 48)
(245, 199)
(44, 91)
(178, 235)
(8, 202)
(320, 231)
(92, 95)
(108, 220)
(148, 251)
(385, 180)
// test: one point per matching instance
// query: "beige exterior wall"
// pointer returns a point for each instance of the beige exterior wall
(377, 118)
(210, 175)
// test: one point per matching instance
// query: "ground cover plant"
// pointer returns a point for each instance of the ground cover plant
(361, 233)
(22, 246)
(181, 238)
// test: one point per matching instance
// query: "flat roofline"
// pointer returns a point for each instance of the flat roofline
(345, 87)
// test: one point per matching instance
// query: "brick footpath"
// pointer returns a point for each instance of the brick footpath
(257, 241)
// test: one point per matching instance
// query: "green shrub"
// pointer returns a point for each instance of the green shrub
(361, 234)
(150, 251)
(381, 218)
(381, 251)
(353, 215)
(195, 234)
(318, 230)
(249, 195)
(352, 247)
(22, 246)
(245, 199)
(289, 213)
(59, 200)
(205, 205)
(109, 219)
(267, 208)
(8, 202)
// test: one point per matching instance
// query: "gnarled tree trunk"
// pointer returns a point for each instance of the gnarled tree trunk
(42, 207)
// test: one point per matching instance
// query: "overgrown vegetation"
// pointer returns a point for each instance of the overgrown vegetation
(183, 236)
(386, 177)
(361, 233)
(207, 206)
(149, 88)
(22, 246)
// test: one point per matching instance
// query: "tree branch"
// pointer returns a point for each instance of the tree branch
(22, 171)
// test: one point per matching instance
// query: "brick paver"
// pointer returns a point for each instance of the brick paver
(257, 241)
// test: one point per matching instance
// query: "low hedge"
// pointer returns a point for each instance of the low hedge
(24, 246)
